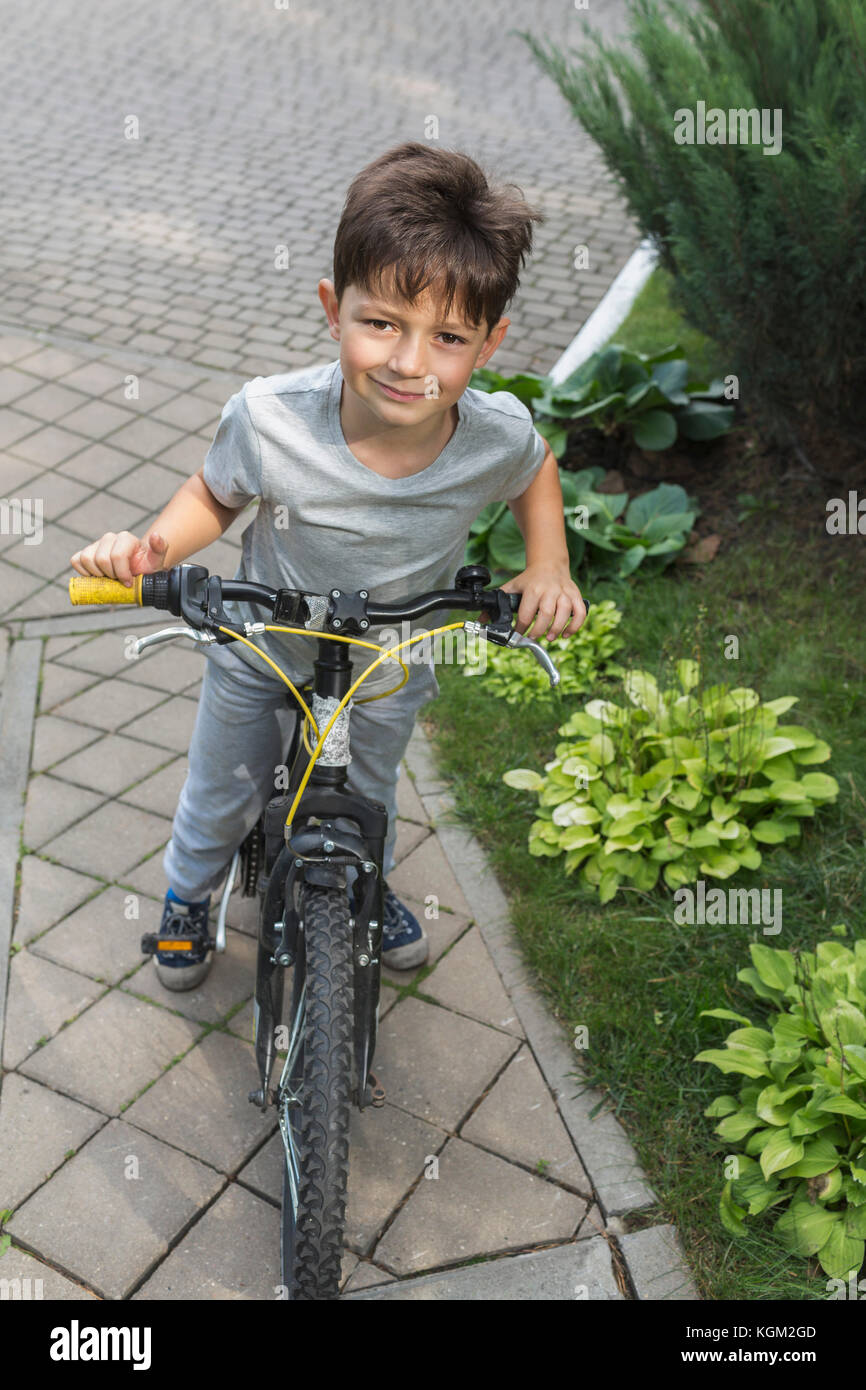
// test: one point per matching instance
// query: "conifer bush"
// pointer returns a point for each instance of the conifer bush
(767, 249)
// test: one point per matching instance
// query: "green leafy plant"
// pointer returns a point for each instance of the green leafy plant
(605, 532)
(675, 783)
(652, 396)
(802, 1103)
(583, 660)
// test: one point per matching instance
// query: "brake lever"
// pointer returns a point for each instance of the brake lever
(513, 638)
(165, 634)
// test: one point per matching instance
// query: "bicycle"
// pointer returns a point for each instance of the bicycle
(295, 859)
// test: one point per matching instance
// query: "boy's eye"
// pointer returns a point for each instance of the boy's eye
(384, 323)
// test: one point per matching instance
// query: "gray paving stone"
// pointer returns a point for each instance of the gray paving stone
(110, 841)
(264, 1172)
(16, 587)
(409, 805)
(111, 764)
(38, 1129)
(572, 1272)
(409, 836)
(160, 792)
(467, 980)
(232, 1252)
(117, 703)
(49, 446)
(29, 1279)
(519, 1120)
(477, 1205)
(48, 892)
(388, 1150)
(55, 738)
(426, 871)
(367, 1276)
(104, 655)
(61, 683)
(656, 1264)
(50, 558)
(149, 879)
(99, 465)
(118, 1046)
(148, 485)
(16, 475)
(169, 724)
(101, 939)
(434, 1063)
(115, 1208)
(231, 978)
(170, 670)
(202, 1104)
(42, 997)
(46, 402)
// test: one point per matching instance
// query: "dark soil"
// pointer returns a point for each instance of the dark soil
(790, 483)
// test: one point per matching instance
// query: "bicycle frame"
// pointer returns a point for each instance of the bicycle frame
(321, 854)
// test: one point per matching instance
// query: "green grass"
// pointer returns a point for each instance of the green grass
(636, 979)
(653, 323)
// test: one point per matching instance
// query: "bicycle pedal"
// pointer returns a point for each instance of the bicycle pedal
(375, 1091)
(152, 942)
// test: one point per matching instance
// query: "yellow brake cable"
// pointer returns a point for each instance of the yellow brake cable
(386, 655)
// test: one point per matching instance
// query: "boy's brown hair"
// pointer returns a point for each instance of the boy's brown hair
(432, 214)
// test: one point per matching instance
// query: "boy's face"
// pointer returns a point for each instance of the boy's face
(424, 360)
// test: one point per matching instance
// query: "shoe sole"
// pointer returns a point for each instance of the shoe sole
(180, 978)
(406, 957)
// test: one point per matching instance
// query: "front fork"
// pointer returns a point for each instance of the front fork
(321, 854)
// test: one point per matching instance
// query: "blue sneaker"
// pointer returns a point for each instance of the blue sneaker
(405, 944)
(404, 941)
(182, 970)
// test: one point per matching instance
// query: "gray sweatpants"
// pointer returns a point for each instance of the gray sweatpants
(242, 732)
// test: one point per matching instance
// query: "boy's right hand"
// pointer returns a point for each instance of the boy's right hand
(121, 556)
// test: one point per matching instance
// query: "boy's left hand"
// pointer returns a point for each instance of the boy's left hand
(550, 595)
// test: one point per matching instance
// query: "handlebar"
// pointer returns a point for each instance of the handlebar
(188, 591)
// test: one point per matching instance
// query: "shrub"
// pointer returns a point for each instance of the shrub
(768, 252)
(583, 660)
(677, 782)
(653, 528)
(652, 397)
(802, 1103)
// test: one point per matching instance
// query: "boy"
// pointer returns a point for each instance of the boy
(370, 472)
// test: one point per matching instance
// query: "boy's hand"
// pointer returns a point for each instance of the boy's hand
(121, 556)
(550, 595)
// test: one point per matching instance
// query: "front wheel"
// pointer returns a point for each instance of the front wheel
(314, 1097)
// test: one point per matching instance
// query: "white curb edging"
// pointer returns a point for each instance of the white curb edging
(609, 312)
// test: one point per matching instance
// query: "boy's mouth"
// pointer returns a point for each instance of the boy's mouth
(399, 395)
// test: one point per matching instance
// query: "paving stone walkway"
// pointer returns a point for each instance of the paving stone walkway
(138, 293)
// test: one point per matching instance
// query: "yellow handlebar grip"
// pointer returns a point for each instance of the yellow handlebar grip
(99, 589)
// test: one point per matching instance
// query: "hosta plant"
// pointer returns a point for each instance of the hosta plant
(583, 660)
(675, 783)
(604, 531)
(800, 1114)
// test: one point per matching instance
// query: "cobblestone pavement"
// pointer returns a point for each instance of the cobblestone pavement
(138, 292)
(249, 121)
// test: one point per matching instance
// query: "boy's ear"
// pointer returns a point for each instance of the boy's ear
(328, 297)
(492, 341)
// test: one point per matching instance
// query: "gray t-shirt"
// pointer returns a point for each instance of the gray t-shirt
(327, 521)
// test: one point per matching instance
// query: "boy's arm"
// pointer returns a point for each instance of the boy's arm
(192, 519)
(539, 513)
(549, 592)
